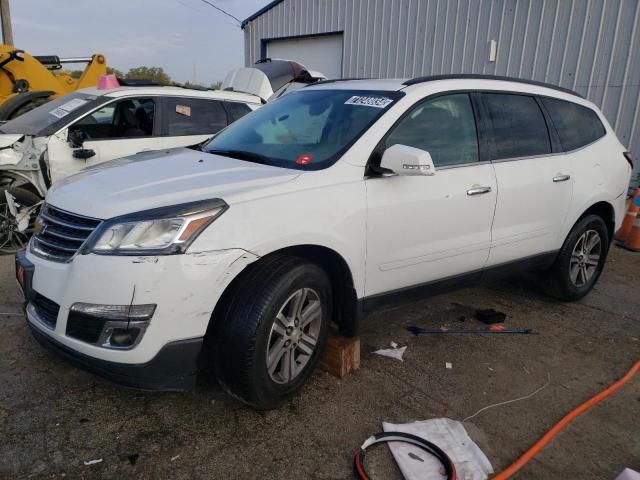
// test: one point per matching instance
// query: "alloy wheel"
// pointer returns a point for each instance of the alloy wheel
(585, 258)
(11, 240)
(294, 335)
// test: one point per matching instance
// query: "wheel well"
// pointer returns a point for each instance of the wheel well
(605, 211)
(13, 181)
(345, 304)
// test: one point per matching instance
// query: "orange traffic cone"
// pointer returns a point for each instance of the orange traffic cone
(629, 218)
(633, 242)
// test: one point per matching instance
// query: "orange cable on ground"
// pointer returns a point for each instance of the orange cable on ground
(558, 427)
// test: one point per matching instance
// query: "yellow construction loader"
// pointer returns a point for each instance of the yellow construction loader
(28, 81)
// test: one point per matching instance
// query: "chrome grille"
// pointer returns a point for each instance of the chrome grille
(59, 234)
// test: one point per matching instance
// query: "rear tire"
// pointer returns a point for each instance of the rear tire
(10, 239)
(580, 261)
(272, 332)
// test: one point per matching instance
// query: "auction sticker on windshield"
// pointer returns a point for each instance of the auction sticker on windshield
(68, 107)
(366, 101)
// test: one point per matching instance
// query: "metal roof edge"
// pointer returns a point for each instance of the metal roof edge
(264, 9)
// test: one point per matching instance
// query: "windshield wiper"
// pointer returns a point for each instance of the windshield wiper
(243, 155)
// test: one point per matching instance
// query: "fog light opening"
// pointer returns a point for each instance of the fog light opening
(119, 327)
(123, 337)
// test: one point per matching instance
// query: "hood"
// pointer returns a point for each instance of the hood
(20, 152)
(8, 139)
(160, 179)
(267, 76)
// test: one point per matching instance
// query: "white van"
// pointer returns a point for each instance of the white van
(330, 202)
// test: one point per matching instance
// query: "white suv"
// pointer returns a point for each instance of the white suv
(317, 208)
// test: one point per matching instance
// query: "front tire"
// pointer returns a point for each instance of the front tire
(273, 330)
(581, 259)
(11, 239)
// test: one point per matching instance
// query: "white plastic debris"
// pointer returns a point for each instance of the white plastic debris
(450, 435)
(93, 462)
(396, 353)
(393, 345)
(448, 365)
(628, 474)
(173, 459)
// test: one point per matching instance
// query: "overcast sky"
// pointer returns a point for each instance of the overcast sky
(173, 34)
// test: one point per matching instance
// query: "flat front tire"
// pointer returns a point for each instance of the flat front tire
(272, 332)
(581, 259)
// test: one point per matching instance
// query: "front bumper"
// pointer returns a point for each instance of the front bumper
(185, 289)
(174, 368)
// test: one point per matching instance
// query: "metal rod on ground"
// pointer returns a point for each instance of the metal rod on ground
(429, 331)
(7, 31)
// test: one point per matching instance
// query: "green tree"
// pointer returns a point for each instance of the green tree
(196, 86)
(115, 71)
(76, 74)
(154, 74)
(216, 85)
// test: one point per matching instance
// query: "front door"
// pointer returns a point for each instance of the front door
(426, 228)
(118, 129)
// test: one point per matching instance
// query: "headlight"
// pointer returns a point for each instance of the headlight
(166, 230)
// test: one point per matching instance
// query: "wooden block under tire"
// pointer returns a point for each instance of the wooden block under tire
(341, 355)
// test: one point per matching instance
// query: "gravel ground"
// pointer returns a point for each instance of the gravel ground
(53, 418)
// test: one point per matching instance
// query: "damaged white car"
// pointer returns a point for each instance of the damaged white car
(92, 126)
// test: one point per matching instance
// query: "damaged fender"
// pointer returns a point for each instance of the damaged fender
(20, 159)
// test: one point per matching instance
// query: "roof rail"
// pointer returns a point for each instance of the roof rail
(134, 82)
(471, 76)
(334, 80)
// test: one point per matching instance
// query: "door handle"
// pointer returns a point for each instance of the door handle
(561, 178)
(478, 190)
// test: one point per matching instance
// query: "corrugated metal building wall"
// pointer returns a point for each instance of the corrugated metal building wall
(591, 46)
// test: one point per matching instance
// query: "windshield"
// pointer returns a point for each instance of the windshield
(46, 119)
(307, 129)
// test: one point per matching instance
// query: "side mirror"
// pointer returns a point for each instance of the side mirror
(405, 160)
(83, 153)
(76, 138)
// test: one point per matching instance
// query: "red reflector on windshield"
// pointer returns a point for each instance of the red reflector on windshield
(304, 159)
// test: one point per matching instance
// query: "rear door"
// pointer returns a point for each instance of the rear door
(189, 121)
(534, 178)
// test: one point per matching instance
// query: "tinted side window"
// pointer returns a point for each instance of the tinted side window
(128, 118)
(519, 128)
(194, 116)
(576, 125)
(236, 110)
(443, 126)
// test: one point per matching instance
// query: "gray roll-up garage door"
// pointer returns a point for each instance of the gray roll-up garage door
(321, 53)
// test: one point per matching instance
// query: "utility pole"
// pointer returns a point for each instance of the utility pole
(7, 32)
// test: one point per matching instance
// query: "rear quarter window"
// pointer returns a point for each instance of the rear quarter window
(236, 110)
(576, 125)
